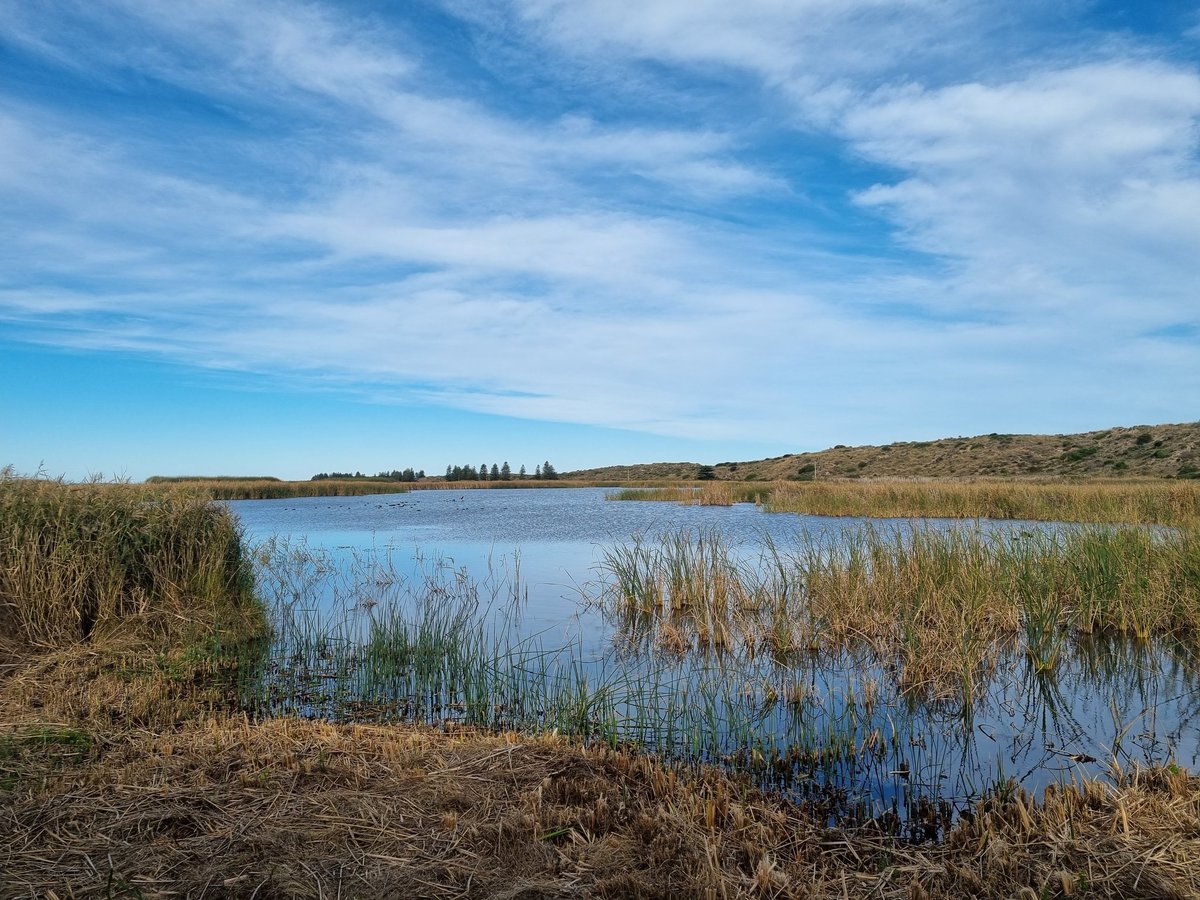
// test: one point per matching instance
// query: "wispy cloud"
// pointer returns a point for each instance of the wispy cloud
(1075, 187)
(881, 228)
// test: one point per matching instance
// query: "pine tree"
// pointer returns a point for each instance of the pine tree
(548, 470)
(505, 472)
(522, 473)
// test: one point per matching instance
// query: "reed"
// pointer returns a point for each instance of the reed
(80, 560)
(818, 669)
(274, 489)
(703, 493)
(119, 602)
(243, 488)
(1129, 503)
(935, 604)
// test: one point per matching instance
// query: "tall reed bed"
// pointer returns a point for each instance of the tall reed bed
(1142, 502)
(705, 493)
(80, 560)
(1131, 503)
(274, 489)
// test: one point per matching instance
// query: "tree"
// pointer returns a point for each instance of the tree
(505, 472)
(522, 473)
(483, 471)
(449, 473)
(706, 473)
(537, 472)
(495, 473)
(548, 471)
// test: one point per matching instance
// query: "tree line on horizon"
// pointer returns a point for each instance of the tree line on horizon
(494, 472)
(395, 475)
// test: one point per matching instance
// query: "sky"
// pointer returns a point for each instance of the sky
(280, 238)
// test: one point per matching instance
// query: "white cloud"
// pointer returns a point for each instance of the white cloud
(817, 52)
(398, 237)
(1078, 184)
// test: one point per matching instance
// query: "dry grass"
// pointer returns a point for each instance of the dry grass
(1138, 502)
(122, 605)
(1116, 502)
(704, 493)
(275, 489)
(80, 560)
(287, 808)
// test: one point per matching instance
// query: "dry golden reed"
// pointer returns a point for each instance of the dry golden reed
(288, 808)
(1117, 502)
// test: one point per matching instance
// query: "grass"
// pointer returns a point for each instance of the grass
(250, 488)
(1116, 502)
(936, 606)
(1143, 502)
(78, 559)
(124, 599)
(309, 809)
(245, 488)
(705, 493)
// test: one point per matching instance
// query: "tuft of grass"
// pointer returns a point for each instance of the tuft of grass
(29, 749)
(124, 600)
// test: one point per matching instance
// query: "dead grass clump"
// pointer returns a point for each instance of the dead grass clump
(288, 808)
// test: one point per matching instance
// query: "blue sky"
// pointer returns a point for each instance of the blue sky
(282, 237)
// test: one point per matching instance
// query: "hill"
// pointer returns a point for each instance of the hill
(1156, 451)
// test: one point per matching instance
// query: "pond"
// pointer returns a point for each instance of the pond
(692, 631)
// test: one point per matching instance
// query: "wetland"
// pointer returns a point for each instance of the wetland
(890, 671)
(557, 693)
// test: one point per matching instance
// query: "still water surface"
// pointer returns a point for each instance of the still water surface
(542, 548)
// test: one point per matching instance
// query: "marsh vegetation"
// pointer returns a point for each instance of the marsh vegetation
(890, 676)
(707, 719)
(1113, 502)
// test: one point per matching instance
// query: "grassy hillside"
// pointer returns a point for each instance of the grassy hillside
(1156, 451)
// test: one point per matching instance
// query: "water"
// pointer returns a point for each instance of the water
(500, 592)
